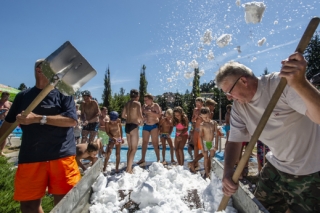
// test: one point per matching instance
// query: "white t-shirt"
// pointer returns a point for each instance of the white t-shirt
(293, 139)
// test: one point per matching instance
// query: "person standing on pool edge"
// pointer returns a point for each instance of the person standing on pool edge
(133, 115)
(48, 149)
(152, 113)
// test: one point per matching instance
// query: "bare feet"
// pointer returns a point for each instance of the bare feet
(164, 162)
(140, 162)
(191, 166)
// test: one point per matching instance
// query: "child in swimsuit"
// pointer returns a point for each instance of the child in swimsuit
(180, 121)
(208, 134)
(166, 128)
(114, 131)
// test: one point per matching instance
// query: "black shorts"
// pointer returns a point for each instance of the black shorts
(129, 127)
(91, 127)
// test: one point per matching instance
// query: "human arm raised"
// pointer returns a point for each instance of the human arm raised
(293, 69)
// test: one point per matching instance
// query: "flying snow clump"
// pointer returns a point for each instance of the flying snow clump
(261, 41)
(224, 40)
(254, 11)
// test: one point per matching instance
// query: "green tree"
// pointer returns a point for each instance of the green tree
(143, 84)
(194, 93)
(22, 87)
(265, 72)
(312, 55)
(161, 100)
(106, 96)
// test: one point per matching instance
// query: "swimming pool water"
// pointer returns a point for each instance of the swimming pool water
(150, 155)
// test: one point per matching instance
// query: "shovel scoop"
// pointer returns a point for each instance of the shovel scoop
(67, 70)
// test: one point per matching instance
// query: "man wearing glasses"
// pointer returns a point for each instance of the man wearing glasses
(290, 178)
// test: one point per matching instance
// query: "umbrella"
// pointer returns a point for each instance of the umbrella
(12, 91)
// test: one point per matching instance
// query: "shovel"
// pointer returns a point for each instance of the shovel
(304, 41)
(67, 70)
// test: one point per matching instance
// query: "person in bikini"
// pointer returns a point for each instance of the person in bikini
(90, 116)
(196, 137)
(209, 135)
(88, 151)
(180, 121)
(166, 127)
(210, 103)
(133, 115)
(152, 113)
(114, 131)
(103, 118)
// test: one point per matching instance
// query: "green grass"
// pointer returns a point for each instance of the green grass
(7, 204)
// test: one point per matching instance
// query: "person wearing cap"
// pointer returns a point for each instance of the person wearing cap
(114, 131)
(47, 153)
(90, 117)
(133, 115)
(5, 105)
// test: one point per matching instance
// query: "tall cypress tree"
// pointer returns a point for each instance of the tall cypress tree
(106, 96)
(195, 92)
(143, 84)
(312, 55)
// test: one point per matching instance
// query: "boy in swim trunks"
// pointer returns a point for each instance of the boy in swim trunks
(208, 134)
(166, 128)
(88, 152)
(103, 118)
(90, 112)
(133, 115)
(196, 137)
(114, 131)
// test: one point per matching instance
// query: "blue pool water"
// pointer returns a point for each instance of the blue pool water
(150, 155)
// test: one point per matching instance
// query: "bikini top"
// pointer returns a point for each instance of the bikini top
(179, 126)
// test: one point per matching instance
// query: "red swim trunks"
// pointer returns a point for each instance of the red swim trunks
(32, 179)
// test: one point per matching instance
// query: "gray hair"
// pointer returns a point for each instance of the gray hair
(232, 68)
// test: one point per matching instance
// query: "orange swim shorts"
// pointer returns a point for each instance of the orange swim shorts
(32, 179)
(199, 143)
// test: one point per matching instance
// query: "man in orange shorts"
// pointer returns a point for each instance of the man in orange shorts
(47, 152)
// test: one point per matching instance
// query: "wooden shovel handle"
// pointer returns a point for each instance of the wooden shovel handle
(304, 41)
(31, 107)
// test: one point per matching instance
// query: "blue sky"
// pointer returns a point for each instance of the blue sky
(124, 35)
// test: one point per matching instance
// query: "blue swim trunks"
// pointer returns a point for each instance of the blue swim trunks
(149, 128)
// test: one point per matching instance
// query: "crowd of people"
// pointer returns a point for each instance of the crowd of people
(58, 134)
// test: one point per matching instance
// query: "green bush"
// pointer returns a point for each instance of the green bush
(7, 204)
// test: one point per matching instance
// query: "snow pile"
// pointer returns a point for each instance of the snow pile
(224, 40)
(207, 37)
(254, 11)
(159, 190)
(262, 41)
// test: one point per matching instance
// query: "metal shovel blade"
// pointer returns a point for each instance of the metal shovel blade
(72, 68)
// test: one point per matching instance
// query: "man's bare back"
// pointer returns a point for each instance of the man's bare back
(132, 112)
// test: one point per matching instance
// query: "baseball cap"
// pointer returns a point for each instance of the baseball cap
(38, 62)
(114, 115)
(86, 92)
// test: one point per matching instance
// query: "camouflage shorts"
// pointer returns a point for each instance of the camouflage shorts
(277, 191)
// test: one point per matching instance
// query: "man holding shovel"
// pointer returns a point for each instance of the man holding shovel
(47, 153)
(291, 177)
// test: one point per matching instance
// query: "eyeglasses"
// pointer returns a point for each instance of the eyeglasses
(229, 93)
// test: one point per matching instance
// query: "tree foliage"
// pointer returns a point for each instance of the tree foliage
(312, 55)
(107, 96)
(143, 84)
(194, 93)
(22, 87)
